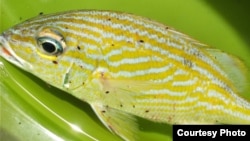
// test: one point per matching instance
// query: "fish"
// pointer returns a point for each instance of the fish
(127, 66)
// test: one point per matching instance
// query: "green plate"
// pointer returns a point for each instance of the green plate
(33, 110)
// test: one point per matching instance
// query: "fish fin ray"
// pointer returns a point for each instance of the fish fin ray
(234, 68)
(118, 122)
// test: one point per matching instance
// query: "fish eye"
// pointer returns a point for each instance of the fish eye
(50, 41)
(50, 46)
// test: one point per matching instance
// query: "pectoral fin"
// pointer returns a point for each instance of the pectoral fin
(120, 123)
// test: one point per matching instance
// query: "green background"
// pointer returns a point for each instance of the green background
(32, 110)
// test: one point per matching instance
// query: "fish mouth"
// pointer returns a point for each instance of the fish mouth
(7, 53)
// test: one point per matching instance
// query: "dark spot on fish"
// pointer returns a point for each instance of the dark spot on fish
(146, 111)
(83, 83)
(226, 87)
(107, 92)
(20, 18)
(121, 105)
(70, 81)
(66, 27)
(133, 106)
(103, 111)
(188, 63)
(19, 123)
(170, 118)
(41, 13)
(112, 45)
(196, 53)
(109, 19)
(78, 47)
(55, 62)
(166, 27)
(141, 41)
(129, 42)
(102, 74)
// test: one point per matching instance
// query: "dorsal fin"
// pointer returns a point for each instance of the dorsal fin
(232, 66)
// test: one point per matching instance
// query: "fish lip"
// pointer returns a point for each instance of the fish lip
(7, 53)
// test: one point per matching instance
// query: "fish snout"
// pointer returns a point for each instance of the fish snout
(8, 54)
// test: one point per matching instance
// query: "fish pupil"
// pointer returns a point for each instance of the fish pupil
(49, 47)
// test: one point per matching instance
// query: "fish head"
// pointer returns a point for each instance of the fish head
(48, 51)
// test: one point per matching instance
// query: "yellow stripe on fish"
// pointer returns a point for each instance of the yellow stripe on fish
(125, 65)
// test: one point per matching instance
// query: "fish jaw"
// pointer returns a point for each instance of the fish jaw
(7, 53)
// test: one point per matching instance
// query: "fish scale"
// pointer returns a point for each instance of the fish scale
(125, 65)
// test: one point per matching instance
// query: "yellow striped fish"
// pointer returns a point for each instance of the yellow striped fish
(125, 65)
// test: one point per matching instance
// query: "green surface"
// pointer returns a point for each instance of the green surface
(32, 110)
